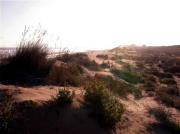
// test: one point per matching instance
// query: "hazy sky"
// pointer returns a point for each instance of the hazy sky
(93, 24)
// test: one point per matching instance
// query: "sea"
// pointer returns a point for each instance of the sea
(6, 51)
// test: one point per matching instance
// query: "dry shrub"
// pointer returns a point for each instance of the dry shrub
(150, 82)
(80, 59)
(6, 113)
(65, 74)
(169, 96)
(119, 87)
(105, 64)
(64, 97)
(28, 62)
(168, 81)
(102, 56)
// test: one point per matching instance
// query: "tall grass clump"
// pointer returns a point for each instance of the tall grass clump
(105, 107)
(28, 64)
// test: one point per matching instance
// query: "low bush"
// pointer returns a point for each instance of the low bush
(80, 59)
(150, 82)
(171, 100)
(173, 69)
(169, 81)
(163, 75)
(64, 97)
(149, 86)
(102, 56)
(166, 98)
(65, 74)
(164, 117)
(150, 78)
(106, 108)
(26, 105)
(119, 87)
(120, 62)
(105, 65)
(170, 89)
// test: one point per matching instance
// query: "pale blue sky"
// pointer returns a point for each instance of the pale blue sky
(93, 24)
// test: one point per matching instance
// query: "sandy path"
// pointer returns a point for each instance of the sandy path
(136, 117)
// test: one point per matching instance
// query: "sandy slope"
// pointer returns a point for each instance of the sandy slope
(75, 119)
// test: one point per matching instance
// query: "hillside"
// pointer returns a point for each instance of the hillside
(144, 80)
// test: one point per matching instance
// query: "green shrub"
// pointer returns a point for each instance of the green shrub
(127, 76)
(127, 67)
(164, 118)
(106, 108)
(64, 97)
(119, 87)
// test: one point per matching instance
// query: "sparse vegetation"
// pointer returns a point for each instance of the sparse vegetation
(139, 71)
(80, 59)
(168, 81)
(102, 56)
(164, 117)
(150, 82)
(26, 105)
(65, 74)
(119, 87)
(27, 116)
(171, 100)
(105, 64)
(6, 113)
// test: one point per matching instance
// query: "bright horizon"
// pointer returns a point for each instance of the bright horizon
(95, 24)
